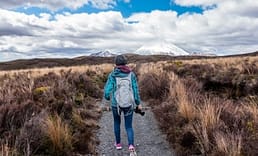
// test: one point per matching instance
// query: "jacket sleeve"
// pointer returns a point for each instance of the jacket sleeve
(135, 90)
(109, 87)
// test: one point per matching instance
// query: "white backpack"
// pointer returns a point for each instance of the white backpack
(124, 92)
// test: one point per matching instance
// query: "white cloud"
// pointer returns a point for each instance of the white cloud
(229, 28)
(197, 2)
(103, 4)
(57, 4)
(127, 1)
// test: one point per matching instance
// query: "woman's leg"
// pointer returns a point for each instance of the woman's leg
(117, 121)
(129, 128)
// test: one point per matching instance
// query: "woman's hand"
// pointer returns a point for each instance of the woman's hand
(139, 107)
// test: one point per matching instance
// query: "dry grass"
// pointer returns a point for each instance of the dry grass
(252, 108)
(24, 97)
(153, 86)
(229, 144)
(206, 125)
(209, 114)
(200, 131)
(99, 69)
(226, 63)
(214, 120)
(195, 119)
(5, 150)
(59, 134)
(185, 108)
(8, 151)
(151, 67)
(224, 77)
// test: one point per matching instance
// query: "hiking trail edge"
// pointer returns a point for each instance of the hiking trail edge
(147, 137)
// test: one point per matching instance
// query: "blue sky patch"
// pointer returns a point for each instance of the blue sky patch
(126, 9)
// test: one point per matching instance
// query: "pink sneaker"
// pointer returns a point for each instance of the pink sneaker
(118, 146)
(131, 148)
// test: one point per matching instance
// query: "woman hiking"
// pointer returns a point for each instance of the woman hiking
(122, 87)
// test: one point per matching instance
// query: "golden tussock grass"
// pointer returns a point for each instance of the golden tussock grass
(252, 108)
(205, 115)
(36, 72)
(151, 67)
(214, 118)
(200, 131)
(209, 114)
(24, 94)
(208, 120)
(226, 63)
(7, 151)
(59, 134)
(229, 144)
(185, 108)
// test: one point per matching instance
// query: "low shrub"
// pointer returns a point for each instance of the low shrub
(153, 86)
(37, 113)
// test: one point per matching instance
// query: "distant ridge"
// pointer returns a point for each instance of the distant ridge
(203, 54)
(94, 60)
(77, 61)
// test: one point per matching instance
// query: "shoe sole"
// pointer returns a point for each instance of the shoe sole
(118, 148)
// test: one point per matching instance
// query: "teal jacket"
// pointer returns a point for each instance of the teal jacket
(110, 86)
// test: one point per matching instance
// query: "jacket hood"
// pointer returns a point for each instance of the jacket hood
(121, 71)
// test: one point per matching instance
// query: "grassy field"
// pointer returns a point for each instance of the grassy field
(204, 106)
(207, 106)
(50, 111)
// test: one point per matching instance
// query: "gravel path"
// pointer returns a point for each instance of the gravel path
(148, 139)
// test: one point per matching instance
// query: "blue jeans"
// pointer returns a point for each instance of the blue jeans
(128, 116)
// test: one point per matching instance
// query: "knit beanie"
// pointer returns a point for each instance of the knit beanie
(120, 60)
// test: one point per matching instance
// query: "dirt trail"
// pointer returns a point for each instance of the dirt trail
(148, 138)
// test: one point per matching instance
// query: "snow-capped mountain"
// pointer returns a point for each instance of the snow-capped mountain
(105, 53)
(161, 49)
(157, 48)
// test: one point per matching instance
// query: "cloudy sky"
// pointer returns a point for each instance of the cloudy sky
(62, 28)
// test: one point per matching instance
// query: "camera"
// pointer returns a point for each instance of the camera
(137, 110)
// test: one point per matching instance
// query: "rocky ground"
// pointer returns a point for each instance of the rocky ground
(148, 138)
